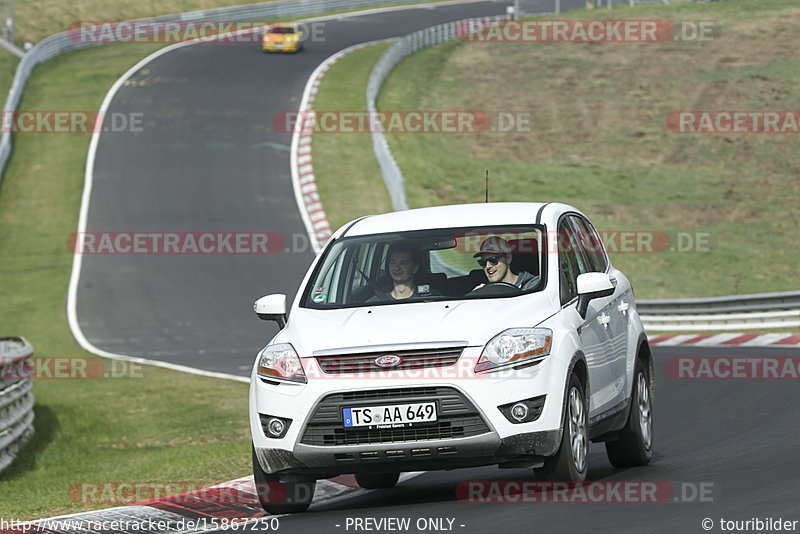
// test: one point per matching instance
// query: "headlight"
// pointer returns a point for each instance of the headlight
(281, 362)
(514, 345)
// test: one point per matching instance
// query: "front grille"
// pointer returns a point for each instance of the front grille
(410, 359)
(457, 418)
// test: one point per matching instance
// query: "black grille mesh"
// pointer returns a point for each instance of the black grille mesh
(457, 418)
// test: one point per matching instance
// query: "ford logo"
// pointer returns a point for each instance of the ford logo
(391, 360)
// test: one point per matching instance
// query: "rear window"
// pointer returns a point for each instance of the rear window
(280, 30)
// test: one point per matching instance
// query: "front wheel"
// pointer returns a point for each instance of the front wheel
(571, 462)
(635, 444)
(281, 497)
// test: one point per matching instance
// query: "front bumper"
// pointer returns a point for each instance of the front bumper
(279, 47)
(487, 449)
(472, 430)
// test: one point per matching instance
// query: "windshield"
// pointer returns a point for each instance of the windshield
(281, 29)
(441, 264)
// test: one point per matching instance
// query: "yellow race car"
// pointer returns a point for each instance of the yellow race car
(286, 37)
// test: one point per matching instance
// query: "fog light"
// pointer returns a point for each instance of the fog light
(275, 427)
(519, 411)
(523, 411)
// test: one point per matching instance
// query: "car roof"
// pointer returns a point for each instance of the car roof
(485, 214)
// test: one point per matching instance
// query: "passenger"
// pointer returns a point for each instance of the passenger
(403, 265)
(495, 259)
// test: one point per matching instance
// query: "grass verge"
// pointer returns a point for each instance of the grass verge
(600, 142)
(159, 426)
(164, 426)
(347, 174)
(8, 65)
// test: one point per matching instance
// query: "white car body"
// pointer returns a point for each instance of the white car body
(601, 348)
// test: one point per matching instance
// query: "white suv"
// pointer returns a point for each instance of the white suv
(445, 337)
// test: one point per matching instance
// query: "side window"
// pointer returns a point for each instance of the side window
(367, 263)
(362, 259)
(569, 269)
(327, 292)
(592, 245)
(575, 256)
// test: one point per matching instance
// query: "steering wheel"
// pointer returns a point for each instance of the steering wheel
(496, 288)
(380, 293)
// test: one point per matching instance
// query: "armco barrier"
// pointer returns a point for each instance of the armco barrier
(739, 312)
(61, 42)
(16, 398)
(409, 44)
(762, 311)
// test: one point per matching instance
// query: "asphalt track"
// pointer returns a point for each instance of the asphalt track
(207, 159)
(726, 447)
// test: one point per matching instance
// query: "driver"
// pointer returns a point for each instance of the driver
(495, 257)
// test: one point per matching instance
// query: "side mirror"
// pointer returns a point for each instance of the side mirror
(593, 286)
(272, 308)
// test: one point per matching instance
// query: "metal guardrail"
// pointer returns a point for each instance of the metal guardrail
(16, 398)
(740, 312)
(63, 42)
(736, 304)
(392, 176)
(11, 47)
(769, 310)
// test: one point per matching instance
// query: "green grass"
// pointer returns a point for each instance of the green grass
(599, 141)
(173, 427)
(347, 174)
(8, 65)
(165, 426)
(156, 426)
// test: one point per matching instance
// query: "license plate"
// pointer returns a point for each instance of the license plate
(278, 46)
(390, 416)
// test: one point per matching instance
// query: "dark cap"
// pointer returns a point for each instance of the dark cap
(494, 244)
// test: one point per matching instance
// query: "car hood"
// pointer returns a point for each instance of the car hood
(473, 321)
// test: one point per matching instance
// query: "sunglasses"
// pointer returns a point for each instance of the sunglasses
(492, 260)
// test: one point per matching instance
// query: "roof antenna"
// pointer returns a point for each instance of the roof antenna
(487, 185)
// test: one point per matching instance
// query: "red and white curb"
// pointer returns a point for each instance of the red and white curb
(726, 340)
(303, 180)
(230, 505)
(220, 506)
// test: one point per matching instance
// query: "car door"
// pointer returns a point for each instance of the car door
(616, 310)
(593, 329)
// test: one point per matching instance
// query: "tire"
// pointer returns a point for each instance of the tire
(377, 480)
(286, 497)
(635, 444)
(571, 462)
